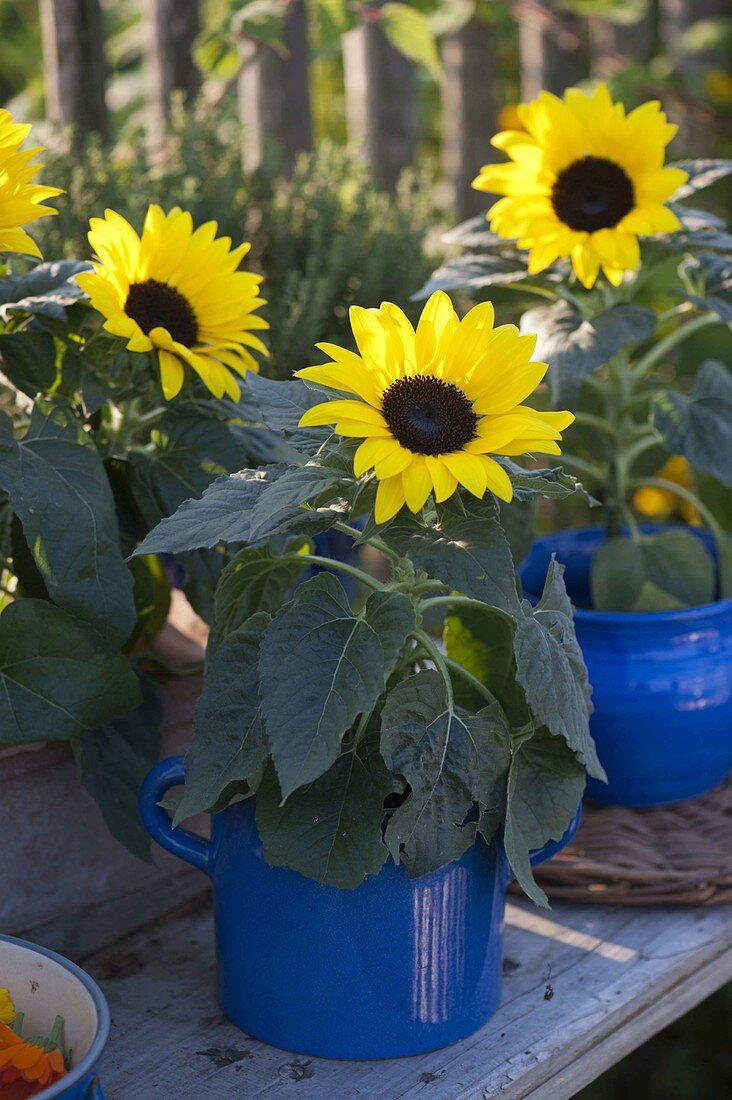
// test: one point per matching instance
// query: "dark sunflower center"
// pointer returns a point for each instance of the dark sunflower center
(428, 416)
(157, 305)
(593, 193)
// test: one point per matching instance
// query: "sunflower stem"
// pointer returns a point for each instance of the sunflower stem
(648, 361)
(374, 541)
(342, 566)
(439, 661)
(468, 677)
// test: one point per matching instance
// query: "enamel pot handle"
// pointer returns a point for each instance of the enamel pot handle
(182, 843)
(94, 1092)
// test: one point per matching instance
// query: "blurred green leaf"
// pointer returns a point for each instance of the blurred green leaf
(409, 32)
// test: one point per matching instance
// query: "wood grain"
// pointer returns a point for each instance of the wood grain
(582, 987)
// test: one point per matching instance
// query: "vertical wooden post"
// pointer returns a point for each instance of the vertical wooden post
(74, 66)
(172, 28)
(696, 137)
(553, 48)
(382, 110)
(470, 110)
(274, 95)
(613, 43)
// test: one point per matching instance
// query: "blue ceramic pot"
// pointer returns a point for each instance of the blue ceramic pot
(662, 683)
(397, 966)
(59, 988)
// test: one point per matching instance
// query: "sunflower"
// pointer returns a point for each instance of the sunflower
(584, 181)
(7, 1008)
(20, 199)
(433, 405)
(177, 291)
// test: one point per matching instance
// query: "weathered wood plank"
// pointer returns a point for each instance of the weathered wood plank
(582, 987)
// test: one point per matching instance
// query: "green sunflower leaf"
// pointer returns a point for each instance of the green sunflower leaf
(450, 760)
(221, 515)
(230, 743)
(321, 667)
(28, 359)
(60, 493)
(467, 549)
(46, 290)
(58, 679)
(552, 483)
(281, 406)
(255, 580)
(545, 785)
(551, 670)
(473, 271)
(702, 173)
(699, 426)
(656, 573)
(711, 277)
(575, 347)
(331, 829)
(113, 761)
(281, 503)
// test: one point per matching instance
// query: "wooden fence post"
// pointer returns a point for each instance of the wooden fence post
(696, 136)
(382, 111)
(613, 43)
(274, 95)
(74, 66)
(172, 27)
(553, 48)
(470, 110)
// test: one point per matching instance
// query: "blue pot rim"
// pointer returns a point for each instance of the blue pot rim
(88, 1063)
(638, 618)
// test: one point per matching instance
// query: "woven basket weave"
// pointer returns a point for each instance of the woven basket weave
(663, 855)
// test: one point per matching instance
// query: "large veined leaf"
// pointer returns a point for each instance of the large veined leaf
(654, 573)
(575, 347)
(188, 451)
(281, 406)
(45, 290)
(711, 276)
(28, 359)
(552, 483)
(230, 744)
(282, 501)
(331, 829)
(220, 515)
(255, 580)
(545, 785)
(481, 639)
(450, 761)
(473, 271)
(409, 32)
(551, 670)
(60, 493)
(699, 426)
(57, 678)
(471, 557)
(702, 173)
(391, 616)
(321, 667)
(114, 760)
(476, 232)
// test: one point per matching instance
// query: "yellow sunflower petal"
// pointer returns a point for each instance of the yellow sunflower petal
(468, 469)
(497, 480)
(370, 452)
(417, 483)
(443, 481)
(389, 499)
(171, 374)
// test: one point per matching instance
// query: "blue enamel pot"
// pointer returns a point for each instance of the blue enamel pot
(44, 985)
(397, 966)
(662, 683)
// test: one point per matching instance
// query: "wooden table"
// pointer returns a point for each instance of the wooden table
(583, 986)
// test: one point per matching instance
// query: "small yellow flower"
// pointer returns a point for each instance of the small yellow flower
(177, 291)
(20, 199)
(584, 180)
(432, 406)
(7, 1008)
(662, 504)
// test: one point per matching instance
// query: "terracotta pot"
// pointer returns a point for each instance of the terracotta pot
(57, 849)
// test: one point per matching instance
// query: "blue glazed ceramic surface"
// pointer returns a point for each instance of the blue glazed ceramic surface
(81, 1082)
(395, 967)
(662, 684)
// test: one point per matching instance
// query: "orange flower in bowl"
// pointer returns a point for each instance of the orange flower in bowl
(28, 1066)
